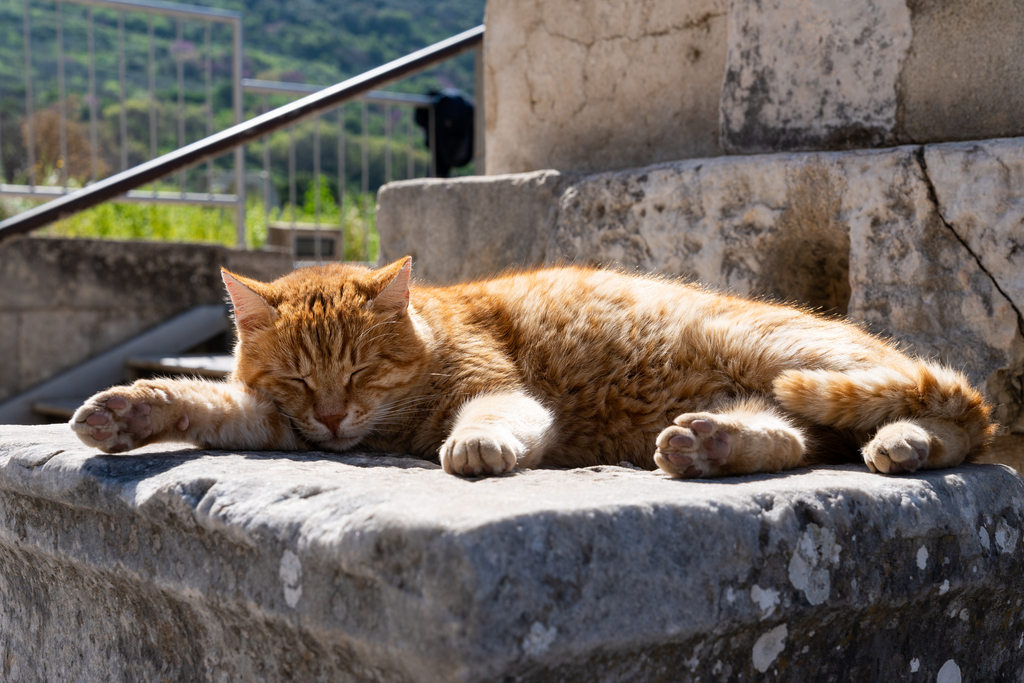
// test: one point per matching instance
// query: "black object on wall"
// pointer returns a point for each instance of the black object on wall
(453, 120)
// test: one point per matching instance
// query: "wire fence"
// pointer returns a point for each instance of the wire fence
(106, 85)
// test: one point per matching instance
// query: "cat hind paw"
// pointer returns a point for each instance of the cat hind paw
(475, 451)
(697, 445)
(896, 448)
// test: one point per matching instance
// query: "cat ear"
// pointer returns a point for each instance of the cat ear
(395, 296)
(252, 312)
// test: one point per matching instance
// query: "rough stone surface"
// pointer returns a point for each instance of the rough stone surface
(806, 74)
(963, 77)
(913, 277)
(187, 565)
(588, 86)
(757, 225)
(978, 186)
(441, 225)
(67, 300)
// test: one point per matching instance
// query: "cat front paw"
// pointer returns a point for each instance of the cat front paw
(897, 447)
(123, 418)
(472, 451)
(697, 445)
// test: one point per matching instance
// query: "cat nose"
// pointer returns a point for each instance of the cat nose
(332, 421)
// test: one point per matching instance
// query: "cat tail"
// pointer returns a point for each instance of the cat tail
(863, 400)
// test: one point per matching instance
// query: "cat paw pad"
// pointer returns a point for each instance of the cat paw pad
(476, 451)
(113, 423)
(697, 445)
(897, 447)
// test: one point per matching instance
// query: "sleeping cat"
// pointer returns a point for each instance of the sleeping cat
(557, 367)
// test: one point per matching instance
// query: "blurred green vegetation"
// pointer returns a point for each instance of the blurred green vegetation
(204, 224)
(306, 41)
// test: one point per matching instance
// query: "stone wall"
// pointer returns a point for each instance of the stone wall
(67, 300)
(591, 86)
(921, 243)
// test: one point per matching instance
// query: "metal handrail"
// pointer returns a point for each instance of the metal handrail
(171, 9)
(374, 96)
(238, 135)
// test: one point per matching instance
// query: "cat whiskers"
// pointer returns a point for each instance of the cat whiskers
(292, 420)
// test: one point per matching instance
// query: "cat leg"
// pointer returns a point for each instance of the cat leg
(744, 437)
(203, 413)
(495, 432)
(926, 415)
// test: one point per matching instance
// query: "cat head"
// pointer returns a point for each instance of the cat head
(333, 346)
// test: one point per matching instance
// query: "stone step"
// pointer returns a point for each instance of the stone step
(216, 366)
(172, 564)
(213, 366)
(60, 408)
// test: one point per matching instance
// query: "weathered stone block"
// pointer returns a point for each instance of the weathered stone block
(845, 75)
(978, 187)
(757, 225)
(594, 86)
(471, 227)
(963, 76)
(588, 86)
(813, 75)
(211, 566)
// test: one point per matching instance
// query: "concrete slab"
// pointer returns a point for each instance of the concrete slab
(208, 566)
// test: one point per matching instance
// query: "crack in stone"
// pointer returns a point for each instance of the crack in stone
(42, 462)
(703, 23)
(933, 196)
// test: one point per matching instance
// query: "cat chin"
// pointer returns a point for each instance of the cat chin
(338, 443)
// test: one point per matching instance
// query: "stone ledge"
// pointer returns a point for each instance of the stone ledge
(183, 564)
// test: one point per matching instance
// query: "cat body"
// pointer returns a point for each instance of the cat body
(556, 367)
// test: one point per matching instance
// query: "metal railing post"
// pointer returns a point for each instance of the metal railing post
(341, 180)
(179, 58)
(151, 71)
(29, 114)
(317, 251)
(122, 69)
(266, 170)
(236, 76)
(365, 186)
(62, 102)
(208, 69)
(94, 161)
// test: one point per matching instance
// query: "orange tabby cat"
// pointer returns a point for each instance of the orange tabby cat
(558, 367)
